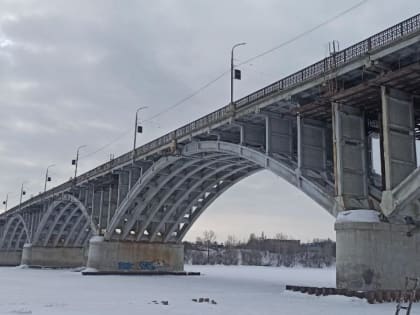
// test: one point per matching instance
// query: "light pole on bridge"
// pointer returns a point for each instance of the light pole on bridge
(5, 201)
(137, 129)
(47, 177)
(22, 193)
(75, 162)
(234, 73)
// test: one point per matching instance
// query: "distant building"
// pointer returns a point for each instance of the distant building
(263, 252)
(277, 246)
(322, 248)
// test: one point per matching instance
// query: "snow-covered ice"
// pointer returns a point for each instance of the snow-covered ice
(238, 290)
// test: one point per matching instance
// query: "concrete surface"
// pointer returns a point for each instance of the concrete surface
(375, 255)
(10, 258)
(134, 257)
(53, 257)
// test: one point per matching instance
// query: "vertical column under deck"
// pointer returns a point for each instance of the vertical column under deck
(123, 185)
(252, 135)
(398, 152)
(350, 157)
(311, 148)
(279, 136)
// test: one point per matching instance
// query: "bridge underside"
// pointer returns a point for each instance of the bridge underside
(163, 205)
(168, 199)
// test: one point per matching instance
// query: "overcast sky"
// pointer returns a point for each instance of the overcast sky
(74, 72)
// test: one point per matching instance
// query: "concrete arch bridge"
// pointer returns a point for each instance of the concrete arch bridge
(316, 129)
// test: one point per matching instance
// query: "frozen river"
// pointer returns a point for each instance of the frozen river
(234, 289)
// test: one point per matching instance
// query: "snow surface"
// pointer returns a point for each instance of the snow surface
(96, 239)
(358, 216)
(236, 289)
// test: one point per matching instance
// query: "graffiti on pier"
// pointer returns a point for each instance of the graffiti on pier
(152, 265)
(124, 265)
(146, 265)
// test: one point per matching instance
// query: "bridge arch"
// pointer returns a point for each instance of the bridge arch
(321, 194)
(16, 234)
(66, 222)
(169, 198)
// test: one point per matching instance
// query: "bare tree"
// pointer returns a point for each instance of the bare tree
(231, 241)
(281, 236)
(199, 240)
(252, 237)
(209, 237)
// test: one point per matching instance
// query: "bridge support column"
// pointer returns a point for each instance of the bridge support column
(311, 147)
(350, 158)
(399, 137)
(252, 135)
(53, 257)
(375, 255)
(278, 135)
(115, 257)
(123, 186)
(10, 257)
(399, 151)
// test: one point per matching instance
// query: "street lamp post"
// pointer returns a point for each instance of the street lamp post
(75, 162)
(47, 178)
(6, 201)
(233, 74)
(22, 193)
(137, 129)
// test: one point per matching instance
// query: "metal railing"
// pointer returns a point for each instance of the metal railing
(342, 57)
(316, 70)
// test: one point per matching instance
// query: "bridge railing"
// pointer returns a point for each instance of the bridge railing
(318, 69)
(340, 58)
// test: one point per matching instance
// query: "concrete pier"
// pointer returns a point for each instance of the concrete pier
(10, 258)
(116, 257)
(53, 257)
(375, 255)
